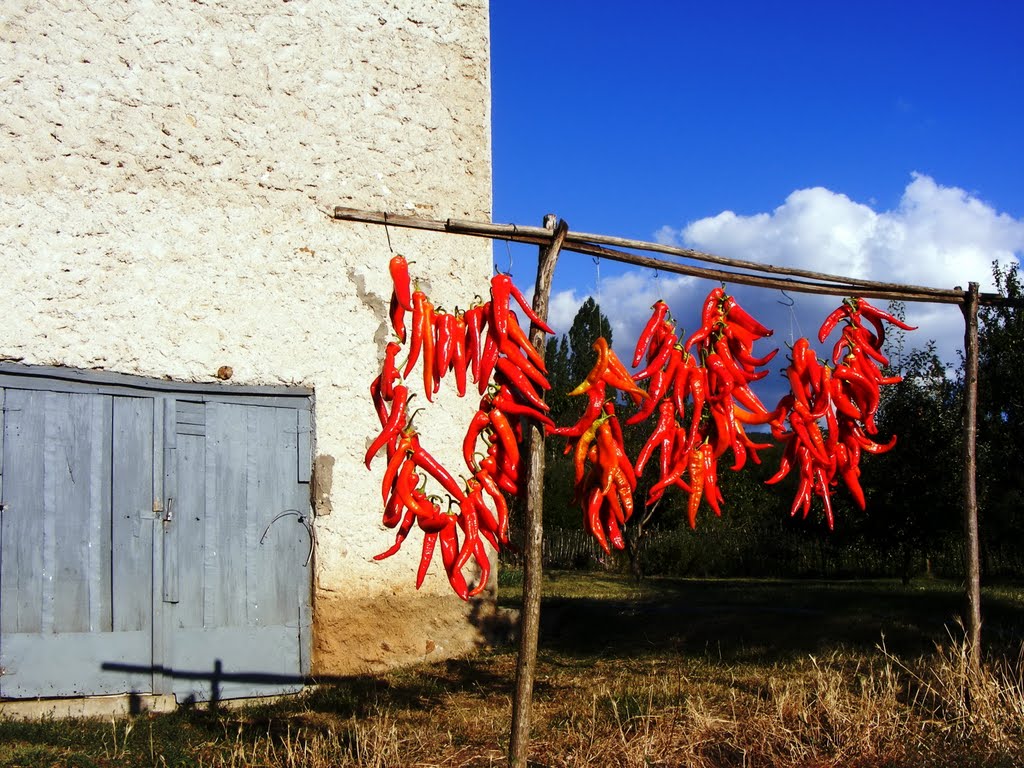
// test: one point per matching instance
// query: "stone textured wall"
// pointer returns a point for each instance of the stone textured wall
(167, 170)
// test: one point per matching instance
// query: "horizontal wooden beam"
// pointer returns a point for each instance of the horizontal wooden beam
(765, 275)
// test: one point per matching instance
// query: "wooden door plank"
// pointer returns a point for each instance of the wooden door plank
(21, 568)
(132, 516)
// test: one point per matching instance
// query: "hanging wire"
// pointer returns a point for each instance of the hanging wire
(387, 232)
(597, 291)
(508, 251)
(793, 319)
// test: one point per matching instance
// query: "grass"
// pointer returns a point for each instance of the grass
(673, 672)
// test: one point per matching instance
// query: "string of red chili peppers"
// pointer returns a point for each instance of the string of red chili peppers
(604, 476)
(713, 370)
(484, 339)
(845, 396)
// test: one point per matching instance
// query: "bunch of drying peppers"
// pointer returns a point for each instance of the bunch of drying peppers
(604, 475)
(699, 388)
(484, 344)
(844, 395)
(713, 370)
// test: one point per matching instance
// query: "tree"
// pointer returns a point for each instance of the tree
(914, 490)
(1001, 418)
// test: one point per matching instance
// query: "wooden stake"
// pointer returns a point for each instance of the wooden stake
(972, 559)
(529, 617)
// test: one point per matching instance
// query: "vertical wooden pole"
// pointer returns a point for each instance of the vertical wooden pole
(529, 617)
(972, 558)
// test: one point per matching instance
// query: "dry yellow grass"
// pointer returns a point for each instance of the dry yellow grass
(651, 689)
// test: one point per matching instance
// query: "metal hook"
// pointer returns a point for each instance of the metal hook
(792, 301)
(387, 233)
(305, 524)
(508, 250)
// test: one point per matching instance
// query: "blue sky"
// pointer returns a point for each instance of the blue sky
(880, 140)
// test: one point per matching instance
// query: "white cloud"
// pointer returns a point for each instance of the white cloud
(936, 236)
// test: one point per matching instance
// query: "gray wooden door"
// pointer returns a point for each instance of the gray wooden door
(236, 584)
(152, 541)
(76, 542)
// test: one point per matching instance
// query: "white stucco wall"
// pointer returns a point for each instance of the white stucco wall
(166, 172)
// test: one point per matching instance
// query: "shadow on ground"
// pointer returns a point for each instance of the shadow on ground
(769, 621)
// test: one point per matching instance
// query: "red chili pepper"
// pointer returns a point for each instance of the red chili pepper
(848, 309)
(428, 463)
(393, 510)
(785, 462)
(503, 481)
(821, 488)
(488, 526)
(399, 268)
(416, 342)
(477, 425)
(596, 373)
(427, 332)
(711, 311)
(515, 356)
(503, 429)
(615, 535)
(506, 468)
(389, 372)
(406, 443)
(448, 538)
(583, 445)
(517, 379)
(734, 313)
(500, 504)
(508, 288)
(480, 555)
(505, 400)
(470, 524)
(698, 385)
(592, 509)
(519, 337)
(659, 361)
(474, 326)
(873, 311)
(664, 427)
(488, 359)
(444, 326)
(402, 533)
(697, 478)
(395, 424)
(460, 363)
(406, 488)
(660, 311)
(595, 404)
(397, 315)
(501, 288)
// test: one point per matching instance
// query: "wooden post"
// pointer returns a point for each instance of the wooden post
(972, 558)
(529, 617)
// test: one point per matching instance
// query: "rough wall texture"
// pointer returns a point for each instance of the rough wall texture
(167, 167)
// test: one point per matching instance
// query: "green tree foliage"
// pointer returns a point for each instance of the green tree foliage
(1001, 421)
(913, 491)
